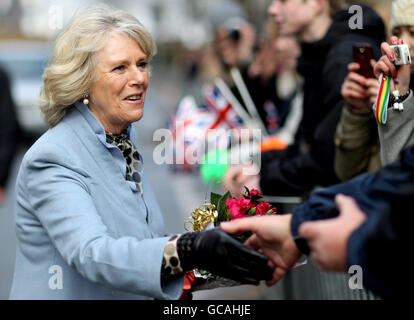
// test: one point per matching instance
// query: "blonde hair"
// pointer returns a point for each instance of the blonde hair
(70, 72)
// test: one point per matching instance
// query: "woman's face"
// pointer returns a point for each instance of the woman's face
(407, 34)
(117, 96)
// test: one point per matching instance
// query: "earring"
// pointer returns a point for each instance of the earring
(85, 100)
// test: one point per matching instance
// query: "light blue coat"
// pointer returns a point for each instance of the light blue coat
(83, 231)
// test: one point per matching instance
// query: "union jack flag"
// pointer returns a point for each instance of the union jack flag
(193, 125)
(226, 117)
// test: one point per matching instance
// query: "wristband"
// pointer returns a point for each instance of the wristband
(396, 100)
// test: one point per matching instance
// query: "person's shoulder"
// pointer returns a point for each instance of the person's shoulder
(51, 145)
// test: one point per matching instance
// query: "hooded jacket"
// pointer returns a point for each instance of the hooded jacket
(323, 65)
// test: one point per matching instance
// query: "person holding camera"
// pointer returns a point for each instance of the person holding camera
(397, 133)
(357, 148)
(326, 43)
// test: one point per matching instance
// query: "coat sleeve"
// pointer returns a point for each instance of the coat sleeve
(356, 145)
(372, 192)
(398, 133)
(59, 197)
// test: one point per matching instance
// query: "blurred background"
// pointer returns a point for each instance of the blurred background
(188, 46)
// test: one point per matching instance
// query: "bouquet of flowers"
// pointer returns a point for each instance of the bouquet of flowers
(224, 208)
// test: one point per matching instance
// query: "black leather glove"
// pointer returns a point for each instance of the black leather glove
(217, 252)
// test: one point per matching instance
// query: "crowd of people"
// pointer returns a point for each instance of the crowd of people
(83, 201)
(357, 222)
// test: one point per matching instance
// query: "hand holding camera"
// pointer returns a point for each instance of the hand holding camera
(395, 63)
(401, 54)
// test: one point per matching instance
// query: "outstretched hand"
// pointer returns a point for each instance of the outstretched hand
(237, 177)
(272, 237)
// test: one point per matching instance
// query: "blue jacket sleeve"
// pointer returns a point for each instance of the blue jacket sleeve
(372, 192)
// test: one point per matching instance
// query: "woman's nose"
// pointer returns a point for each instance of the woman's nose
(138, 76)
(273, 9)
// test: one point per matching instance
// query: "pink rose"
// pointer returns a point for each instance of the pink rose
(238, 207)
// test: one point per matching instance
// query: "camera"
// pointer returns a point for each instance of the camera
(402, 54)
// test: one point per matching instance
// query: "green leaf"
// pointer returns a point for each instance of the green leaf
(269, 212)
(247, 191)
(252, 211)
(222, 208)
(214, 198)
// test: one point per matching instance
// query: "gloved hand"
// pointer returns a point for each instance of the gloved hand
(219, 253)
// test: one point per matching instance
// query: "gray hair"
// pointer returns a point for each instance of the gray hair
(70, 72)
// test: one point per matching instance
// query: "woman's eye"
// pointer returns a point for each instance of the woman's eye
(119, 68)
(143, 64)
(396, 32)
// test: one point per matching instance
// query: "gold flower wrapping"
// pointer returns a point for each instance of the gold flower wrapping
(201, 217)
(198, 221)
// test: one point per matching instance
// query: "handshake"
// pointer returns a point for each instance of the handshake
(266, 255)
(271, 251)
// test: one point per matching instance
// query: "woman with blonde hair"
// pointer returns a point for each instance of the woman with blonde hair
(87, 222)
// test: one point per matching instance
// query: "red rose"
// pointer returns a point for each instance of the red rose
(262, 208)
(238, 207)
(255, 193)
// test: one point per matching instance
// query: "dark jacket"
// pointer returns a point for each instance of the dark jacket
(380, 244)
(9, 129)
(323, 64)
